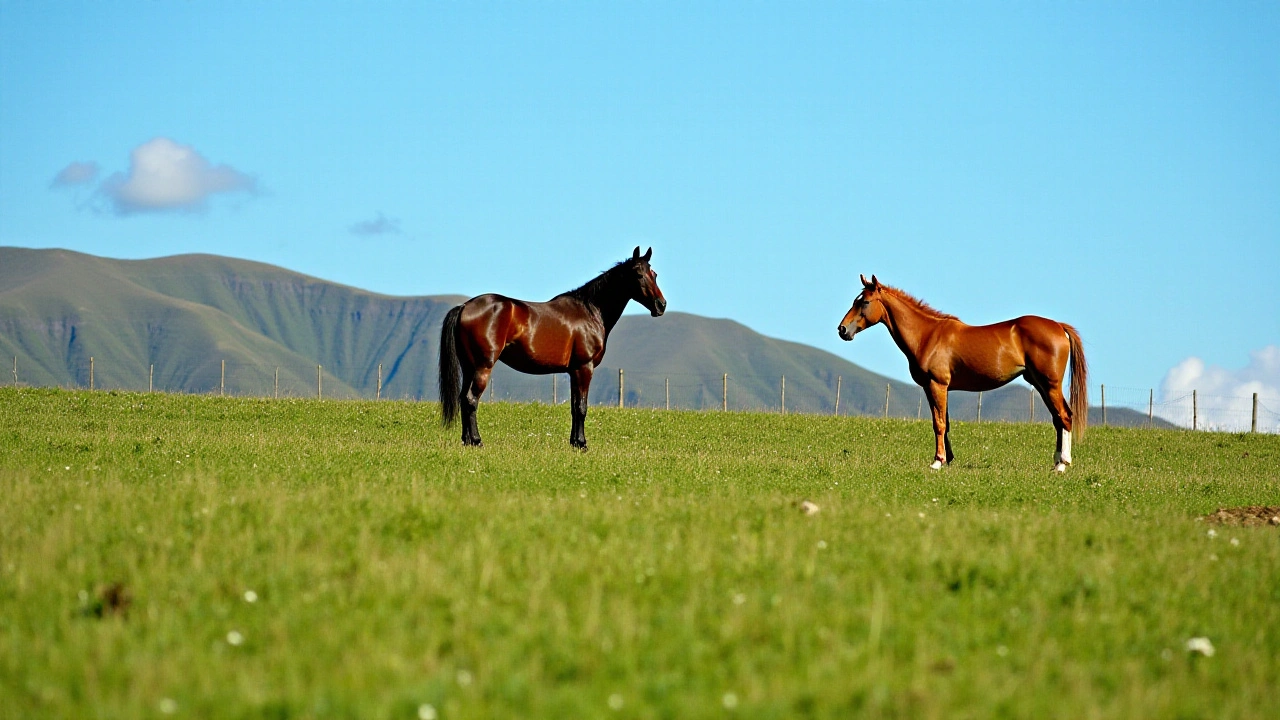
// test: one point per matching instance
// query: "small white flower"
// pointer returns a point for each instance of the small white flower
(1001, 650)
(739, 598)
(1200, 645)
(250, 596)
(464, 678)
(822, 544)
(730, 701)
(426, 712)
(168, 706)
(1213, 533)
(615, 701)
(235, 638)
(1235, 542)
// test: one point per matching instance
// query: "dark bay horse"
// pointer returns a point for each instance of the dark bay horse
(946, 354)
(565, 334)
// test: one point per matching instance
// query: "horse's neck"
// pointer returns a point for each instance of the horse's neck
(611, 309)
(609, 301)
(908, 327)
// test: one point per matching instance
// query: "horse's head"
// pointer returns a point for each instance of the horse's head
(645, 289)
(868, 309)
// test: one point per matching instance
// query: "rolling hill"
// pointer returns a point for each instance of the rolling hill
(204, 323)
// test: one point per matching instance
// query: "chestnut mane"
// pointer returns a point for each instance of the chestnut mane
(919, 304)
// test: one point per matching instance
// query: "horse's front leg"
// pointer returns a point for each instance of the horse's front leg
(946, 439)
(579, 387)
(937, 395)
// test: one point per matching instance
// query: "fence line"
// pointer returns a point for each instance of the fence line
(692, 391)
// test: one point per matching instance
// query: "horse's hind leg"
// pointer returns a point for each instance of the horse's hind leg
(474, 382)
(1051, 393)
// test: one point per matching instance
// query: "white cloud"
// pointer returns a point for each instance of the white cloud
(165, 176)
(77, 173)
(1224, 398)
(382, 225)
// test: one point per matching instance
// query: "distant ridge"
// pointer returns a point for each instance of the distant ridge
(188, 314)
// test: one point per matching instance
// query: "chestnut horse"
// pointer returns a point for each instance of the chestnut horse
(946, 354)
(565, 334)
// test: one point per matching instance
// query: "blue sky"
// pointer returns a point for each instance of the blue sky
(1115, 165)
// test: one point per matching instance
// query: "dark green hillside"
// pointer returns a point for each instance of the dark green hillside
(186, 315)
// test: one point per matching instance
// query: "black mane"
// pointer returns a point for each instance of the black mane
(594, 291)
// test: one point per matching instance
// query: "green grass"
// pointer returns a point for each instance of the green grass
(667, 573)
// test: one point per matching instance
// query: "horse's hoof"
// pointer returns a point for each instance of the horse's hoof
(937, 465)
(1060, 467)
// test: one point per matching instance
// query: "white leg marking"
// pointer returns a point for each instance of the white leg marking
(1066, 448)
(1060, 467)
(937, 465)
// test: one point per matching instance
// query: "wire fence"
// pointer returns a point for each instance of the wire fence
(804, 393)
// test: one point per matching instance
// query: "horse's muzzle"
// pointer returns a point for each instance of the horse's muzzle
(659, 307)
(846, 333)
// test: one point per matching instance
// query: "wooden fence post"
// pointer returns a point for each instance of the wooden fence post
(979, 407)
(621, 381)
(319, 383)
(1151, 405)
(668, 393)
(222, 381)
(1104, 405)
(151, 378)
(724, 394)
(1195, 410)
(277, 386)
(379, 395)
(838, 381)
(784, 394)
(886, 399)
(1253, 426)
(15, 371)
(1031, 405)
(555, 389)
(90, 372)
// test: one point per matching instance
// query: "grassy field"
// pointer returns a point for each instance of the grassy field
(282, 559)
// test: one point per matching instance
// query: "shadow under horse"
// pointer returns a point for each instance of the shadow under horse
(946, 354)
(566, 334)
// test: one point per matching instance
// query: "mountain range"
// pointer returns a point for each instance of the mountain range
(211, 324)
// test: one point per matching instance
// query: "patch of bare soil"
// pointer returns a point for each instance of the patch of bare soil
(1251, 515)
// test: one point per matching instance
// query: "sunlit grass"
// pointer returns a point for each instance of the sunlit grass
(668, 572)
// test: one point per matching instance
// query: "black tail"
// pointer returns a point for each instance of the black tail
(450, 372)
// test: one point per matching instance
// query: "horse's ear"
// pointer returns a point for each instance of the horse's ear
(863, 278)
(874, 281)
(635, 255)
(648, 254)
